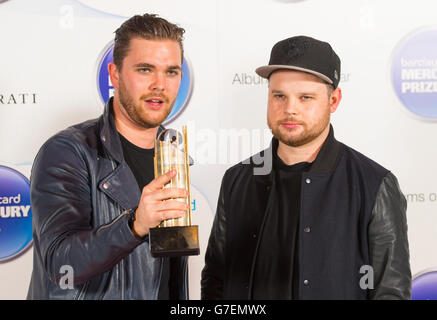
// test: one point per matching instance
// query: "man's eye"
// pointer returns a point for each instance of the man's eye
(306, 98)
(279, 96)
(173, 72)
(144, 70)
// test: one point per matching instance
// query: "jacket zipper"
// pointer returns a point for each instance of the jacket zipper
(122, 268)
(121, 265)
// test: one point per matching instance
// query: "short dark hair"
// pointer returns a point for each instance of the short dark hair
(147, 26)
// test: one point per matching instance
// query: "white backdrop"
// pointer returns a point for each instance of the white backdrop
(48, 70)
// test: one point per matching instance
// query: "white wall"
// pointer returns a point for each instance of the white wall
(51, 49)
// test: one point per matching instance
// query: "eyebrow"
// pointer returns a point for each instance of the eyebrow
(301, 93)
(175, 67)
(151, 66)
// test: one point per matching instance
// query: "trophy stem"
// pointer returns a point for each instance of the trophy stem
(155, 161)
(187, 175)
(174, 237)
(170, 222)
(162, 157)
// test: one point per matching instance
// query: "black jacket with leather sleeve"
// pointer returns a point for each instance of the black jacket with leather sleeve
(83, 195)
(352, 231)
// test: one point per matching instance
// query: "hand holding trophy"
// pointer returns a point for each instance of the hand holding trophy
(174, 237)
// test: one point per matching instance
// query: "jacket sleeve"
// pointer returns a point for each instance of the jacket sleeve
(63, 218)
(389, 252)
(213, 273)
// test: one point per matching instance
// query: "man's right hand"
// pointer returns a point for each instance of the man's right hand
(152, 209)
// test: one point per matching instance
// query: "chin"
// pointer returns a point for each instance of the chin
(154, 121)
(292, 140)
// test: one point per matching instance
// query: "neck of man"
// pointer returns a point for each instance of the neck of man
(305, 153)
(137, 135)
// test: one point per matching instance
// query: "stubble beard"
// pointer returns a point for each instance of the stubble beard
(304, 138)
(134, 110)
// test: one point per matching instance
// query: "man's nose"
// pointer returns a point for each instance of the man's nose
(158, 82)
(291, 106)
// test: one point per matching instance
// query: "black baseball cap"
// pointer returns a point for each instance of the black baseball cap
(304, 54)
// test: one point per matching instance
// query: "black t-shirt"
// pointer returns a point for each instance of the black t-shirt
(276, 274)
(140, 161)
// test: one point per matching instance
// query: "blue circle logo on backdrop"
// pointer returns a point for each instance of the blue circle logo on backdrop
(15, 213)
(424, 286)
(414, 73)
(107, 90)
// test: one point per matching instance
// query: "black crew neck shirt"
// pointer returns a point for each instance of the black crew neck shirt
(277, 268)
(140, 161)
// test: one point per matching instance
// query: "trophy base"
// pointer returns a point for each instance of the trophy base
(174, 241)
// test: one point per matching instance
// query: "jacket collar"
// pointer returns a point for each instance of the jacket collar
(109, 134)
(325, 162)
(120, 185)
(328, 155)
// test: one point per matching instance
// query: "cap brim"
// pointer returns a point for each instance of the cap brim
(266, 71)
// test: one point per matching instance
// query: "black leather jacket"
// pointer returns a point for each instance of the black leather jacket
(83, 195)
(352, 214)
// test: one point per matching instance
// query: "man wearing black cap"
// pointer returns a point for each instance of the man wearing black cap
(325, 222)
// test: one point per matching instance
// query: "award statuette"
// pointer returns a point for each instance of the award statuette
(174, 237)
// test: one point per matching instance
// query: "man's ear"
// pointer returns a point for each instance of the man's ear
(334, 99)
(113, 74)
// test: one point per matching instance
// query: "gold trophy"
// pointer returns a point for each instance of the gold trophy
(174, 237)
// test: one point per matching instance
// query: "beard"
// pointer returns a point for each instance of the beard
(307, 135)
(138, 114)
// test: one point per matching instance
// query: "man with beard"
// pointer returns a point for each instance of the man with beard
(325, 222)
(93, 193)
